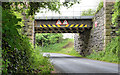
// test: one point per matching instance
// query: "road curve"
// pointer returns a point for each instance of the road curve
(70, 64)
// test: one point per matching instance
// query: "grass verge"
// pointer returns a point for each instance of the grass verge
(41, 64)
(110, 54)
(64, 47)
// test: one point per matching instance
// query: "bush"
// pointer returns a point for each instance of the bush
(40, 64)
(18, 53)
(16, 48)
(45, 39)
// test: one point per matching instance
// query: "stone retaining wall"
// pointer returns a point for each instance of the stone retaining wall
(98, 37)
(94, 38)
(96, 41)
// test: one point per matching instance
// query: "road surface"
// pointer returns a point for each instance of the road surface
(70, 64)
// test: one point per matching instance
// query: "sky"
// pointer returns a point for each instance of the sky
(75, 10)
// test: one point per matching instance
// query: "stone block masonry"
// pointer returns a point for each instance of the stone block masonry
(108, 6)
(98, 37)
(97, 33)
(28, 28)
(81, 42)
(94, 38)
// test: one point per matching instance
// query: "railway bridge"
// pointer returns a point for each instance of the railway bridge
(76, 24)
(73, 24)
(92, 32)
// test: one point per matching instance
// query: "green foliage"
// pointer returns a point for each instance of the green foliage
(72, 52)
(0, 60)
(63, 47)
(17, 52)
(40, 64)
(45, 39)
(15, 47)
(34, 6)
(99, 6)
(55, 47)
(88, 12)
(116, 15)
(111, 52)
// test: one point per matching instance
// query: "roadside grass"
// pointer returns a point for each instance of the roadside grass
(64, 47)
(41, 64)
(110, 54)
(67, 47)
(102, 56)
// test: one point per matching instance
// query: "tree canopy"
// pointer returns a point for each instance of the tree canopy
(34, 6)
(46, 39)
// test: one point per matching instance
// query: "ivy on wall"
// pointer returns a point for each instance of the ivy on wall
(116, 16)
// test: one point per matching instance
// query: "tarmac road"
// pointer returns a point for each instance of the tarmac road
(70, 64)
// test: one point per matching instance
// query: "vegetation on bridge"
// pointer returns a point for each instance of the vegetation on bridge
(88, 12)
(91, 12)
(100, 6)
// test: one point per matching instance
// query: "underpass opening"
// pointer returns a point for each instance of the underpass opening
(56, 43)
(77, 25)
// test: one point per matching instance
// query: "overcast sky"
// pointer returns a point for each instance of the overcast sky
(75, 10)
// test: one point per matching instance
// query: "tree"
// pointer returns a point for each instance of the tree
(34, 6)
(45, 39)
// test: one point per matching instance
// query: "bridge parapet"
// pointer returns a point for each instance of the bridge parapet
(62, 17)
